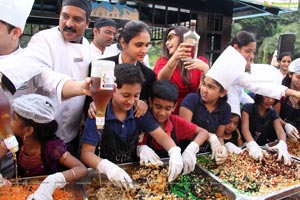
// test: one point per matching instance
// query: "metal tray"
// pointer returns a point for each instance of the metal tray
(92, 174)
(280, 194)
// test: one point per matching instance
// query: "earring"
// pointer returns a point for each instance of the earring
(24, 137)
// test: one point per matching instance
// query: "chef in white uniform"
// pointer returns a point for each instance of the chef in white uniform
(63, 49)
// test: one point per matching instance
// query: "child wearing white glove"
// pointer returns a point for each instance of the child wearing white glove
(33, 122)
(119, 139)
(288, 107)
(261, 121)
(186, 135)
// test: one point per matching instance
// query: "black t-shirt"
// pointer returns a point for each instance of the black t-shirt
(261, 127)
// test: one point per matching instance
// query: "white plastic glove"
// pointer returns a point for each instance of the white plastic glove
(281, 147)
(189, 157)
(292, 132)
(254, 150)
(232, 148)
(221, 155)
(175, 163)
(214, 144)
(115, 174)
(47, 187)
(147, 156)
(4, 181)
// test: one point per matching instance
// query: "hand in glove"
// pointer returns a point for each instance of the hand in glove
(175, 163)
(148, 156)
(47, 187)
(221, 155)
(254, 150)
(292, 132)
(4, 181)
(214, 144)
(189, 157)
(115, 174)
(232, 148)
(281, 147)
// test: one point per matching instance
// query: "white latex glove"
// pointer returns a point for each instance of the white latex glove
(232, 148)
(214, 144)
(147, 156)
(175, 163)
(221, 155)
(4, 181)
(115, 174)
(189, 157)
(292, 132)
(281, 147)
(254, 150)
(47, 187)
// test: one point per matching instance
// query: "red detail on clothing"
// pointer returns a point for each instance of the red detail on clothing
(183, 90)
(183, 130)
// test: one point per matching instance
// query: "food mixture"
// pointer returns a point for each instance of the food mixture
(151, 183)
(197, 186)
(18, 192)
(293, 148)
(253, 177)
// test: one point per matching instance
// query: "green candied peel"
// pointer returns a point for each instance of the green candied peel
(206, 161)
(195, 186)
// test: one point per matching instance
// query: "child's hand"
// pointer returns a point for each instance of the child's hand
(189, 157)
(140, 109)
(281, 147)
(214, 144)
(254, 150)
(232, 148)
(48, 186)
(221, 155)
(148, 156)
(175, 163)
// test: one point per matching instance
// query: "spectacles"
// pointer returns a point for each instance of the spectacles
(108, 32)
(171, 36)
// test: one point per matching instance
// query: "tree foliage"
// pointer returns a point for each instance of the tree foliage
(267, 30)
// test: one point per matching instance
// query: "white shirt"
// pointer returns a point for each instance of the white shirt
(47, 49)
(96, 53)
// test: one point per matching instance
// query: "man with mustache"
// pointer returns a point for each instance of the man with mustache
(104, 32)
(65, 50)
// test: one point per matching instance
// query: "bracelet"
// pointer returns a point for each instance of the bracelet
(74, 175)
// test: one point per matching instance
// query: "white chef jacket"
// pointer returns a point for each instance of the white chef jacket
(67, 58)
(246, 81)
(47, 49)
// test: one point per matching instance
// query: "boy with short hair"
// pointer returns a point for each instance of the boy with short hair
(186, 135)
(119, 138)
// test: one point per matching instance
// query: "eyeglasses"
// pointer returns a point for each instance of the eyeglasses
(171, 36)
(108, 32)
